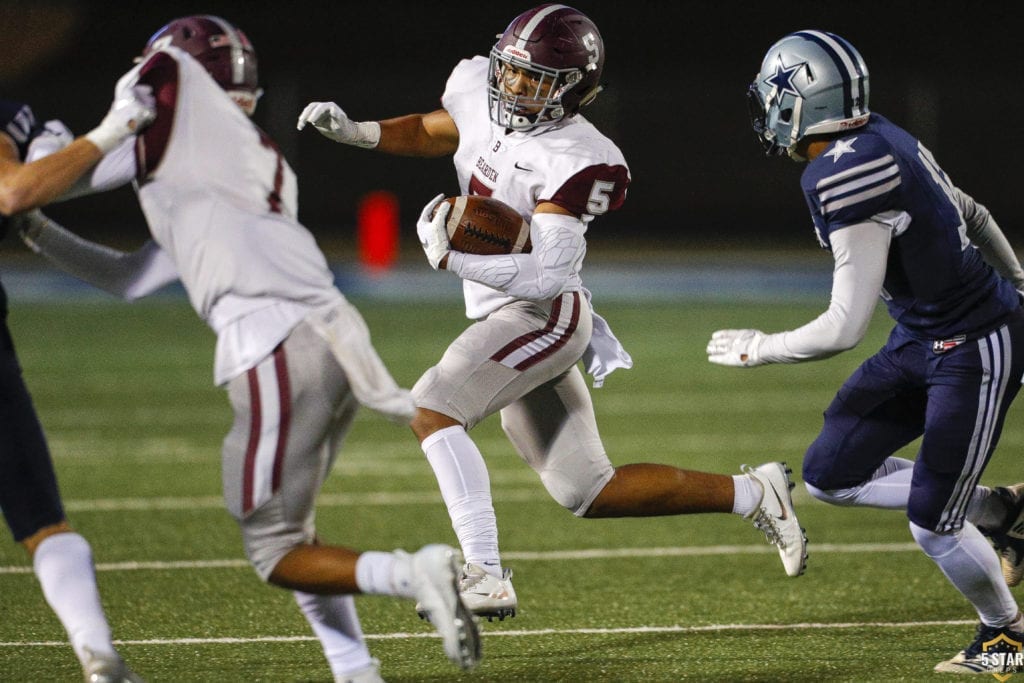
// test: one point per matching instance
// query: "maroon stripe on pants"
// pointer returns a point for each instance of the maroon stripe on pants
(255, 425)
(285, 402)
(549, 328)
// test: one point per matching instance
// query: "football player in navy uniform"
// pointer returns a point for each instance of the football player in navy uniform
(512, 124)
(29, 495)
(898, 227)
(295, 357)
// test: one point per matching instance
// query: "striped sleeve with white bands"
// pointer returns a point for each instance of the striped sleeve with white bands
(858, 184)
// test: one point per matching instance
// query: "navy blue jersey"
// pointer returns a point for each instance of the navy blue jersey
(18, 121)
(936, 285)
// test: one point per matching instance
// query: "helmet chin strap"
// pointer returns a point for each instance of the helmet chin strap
(793, 154)
(794, 123)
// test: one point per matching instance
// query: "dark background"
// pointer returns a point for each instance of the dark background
(676, 75)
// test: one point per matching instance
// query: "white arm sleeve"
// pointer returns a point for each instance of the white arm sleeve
(126, 275)
(861, 252)
(116, 168)
(984, 233)
(558, 250)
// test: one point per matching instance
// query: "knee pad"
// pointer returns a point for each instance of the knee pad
(572, 494)
(265, 544)
(842, 497)
(563, 490)
(933, 543)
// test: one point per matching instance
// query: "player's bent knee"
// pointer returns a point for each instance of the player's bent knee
(426, 422)
(266, 546)
(933, 543)
(843, 497)
(568, 493)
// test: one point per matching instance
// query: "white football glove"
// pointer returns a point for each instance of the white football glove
(739, 348)
(132, 110)
(334, 124)
(432, 231)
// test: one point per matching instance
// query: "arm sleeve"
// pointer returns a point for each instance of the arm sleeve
(126, 275)
(115, 169)
(984, 233)
(558, 249)
(861, 252)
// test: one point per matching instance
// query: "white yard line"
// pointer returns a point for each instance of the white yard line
(530, 556)
(388, 498)
(519, 633)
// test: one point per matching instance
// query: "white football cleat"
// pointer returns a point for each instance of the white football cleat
(776, 517)
(435, 574)
(368, 674)
(487, 595)
(106, 669)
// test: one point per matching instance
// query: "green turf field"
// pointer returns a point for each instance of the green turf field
(126, 396)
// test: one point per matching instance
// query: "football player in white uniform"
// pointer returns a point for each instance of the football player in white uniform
(512, 123)
(294, 355)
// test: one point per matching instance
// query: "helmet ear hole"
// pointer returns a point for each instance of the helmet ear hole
(786, 115)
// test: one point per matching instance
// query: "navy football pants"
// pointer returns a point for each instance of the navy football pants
(956, 400)
(29, 498)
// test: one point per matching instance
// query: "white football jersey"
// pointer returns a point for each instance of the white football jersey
(222, 201)
(570, 163)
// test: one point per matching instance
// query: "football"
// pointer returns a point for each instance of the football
(486, 226)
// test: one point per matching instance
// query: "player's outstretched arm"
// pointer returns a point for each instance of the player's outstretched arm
(423, 135)
(35, 184)
(861, 252)
(128, 275)
(333, 123)
(985, 234)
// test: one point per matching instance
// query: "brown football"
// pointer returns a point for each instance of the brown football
(486, 226)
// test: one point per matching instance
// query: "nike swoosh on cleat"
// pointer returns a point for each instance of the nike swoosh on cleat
(782, 506)
(494, 596)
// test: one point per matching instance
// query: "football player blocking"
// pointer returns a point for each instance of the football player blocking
(898, 227)
(512, 124)
(29, 496)
(294, 356)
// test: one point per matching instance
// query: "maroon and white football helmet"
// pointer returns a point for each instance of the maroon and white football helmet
(223, 50)
(560, 52)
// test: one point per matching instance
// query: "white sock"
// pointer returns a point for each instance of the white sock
(63, 565)
(466, 488)
(748, 494)
(967, 560)
(888, 487)
(336, 624)
(380, 573)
